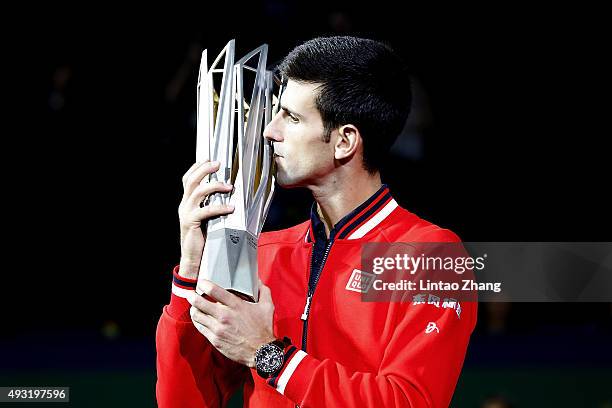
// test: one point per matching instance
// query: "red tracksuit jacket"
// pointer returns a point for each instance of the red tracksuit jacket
(358, 354)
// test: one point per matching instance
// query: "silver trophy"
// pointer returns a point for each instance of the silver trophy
(229, 130)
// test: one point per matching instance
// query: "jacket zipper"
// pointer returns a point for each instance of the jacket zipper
(311, 293)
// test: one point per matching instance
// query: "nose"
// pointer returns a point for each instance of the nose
(272, 131)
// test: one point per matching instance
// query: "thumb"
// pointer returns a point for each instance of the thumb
(264, 292)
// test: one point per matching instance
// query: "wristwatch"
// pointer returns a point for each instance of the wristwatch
(270, 357)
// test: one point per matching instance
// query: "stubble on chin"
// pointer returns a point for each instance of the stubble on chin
(284, 180)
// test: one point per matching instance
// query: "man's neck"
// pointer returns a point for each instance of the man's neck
(342, 195)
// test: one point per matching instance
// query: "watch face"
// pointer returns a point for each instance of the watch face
(269, 358)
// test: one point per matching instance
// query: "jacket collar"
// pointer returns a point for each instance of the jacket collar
(358, 222)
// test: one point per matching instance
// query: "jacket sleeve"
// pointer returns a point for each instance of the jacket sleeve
(420, 366)
(190, 371)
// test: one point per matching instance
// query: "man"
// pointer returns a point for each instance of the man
(310, 341)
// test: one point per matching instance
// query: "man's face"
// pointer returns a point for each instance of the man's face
(302, 156)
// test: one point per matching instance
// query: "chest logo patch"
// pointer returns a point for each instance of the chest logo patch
(360, 281)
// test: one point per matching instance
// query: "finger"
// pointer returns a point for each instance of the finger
(202, 318)
(202, 190)
(264, 292)
(204, 306)
(193, 167)
(196, 177)
(204, 330)
(212, 211)
(219, 294)
(210, 336)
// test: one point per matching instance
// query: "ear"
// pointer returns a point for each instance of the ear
(347, 142)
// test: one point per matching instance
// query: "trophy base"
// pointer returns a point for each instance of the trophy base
(230, 261)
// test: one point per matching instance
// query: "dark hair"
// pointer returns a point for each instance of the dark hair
(363, 82)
